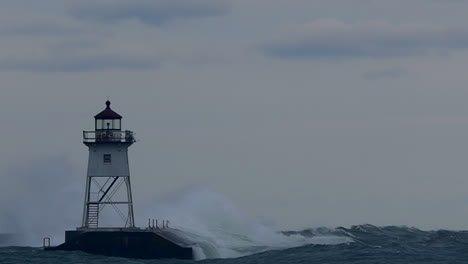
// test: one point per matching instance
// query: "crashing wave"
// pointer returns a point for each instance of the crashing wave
(218, 229)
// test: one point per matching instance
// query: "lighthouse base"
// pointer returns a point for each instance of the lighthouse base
(126, 243)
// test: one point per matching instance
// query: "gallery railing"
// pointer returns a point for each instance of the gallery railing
(108, 136)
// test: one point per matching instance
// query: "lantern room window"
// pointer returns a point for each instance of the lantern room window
(112, 124)
(117, 124)
(98, 124)
(108, 124)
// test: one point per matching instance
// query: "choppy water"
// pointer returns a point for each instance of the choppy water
(358, 244)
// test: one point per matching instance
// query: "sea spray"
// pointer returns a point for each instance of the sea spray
(46, 199)
(219, 229)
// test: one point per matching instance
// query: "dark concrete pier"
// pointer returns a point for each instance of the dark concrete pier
(127, 243)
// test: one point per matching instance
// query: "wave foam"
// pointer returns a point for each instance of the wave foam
(220, 230)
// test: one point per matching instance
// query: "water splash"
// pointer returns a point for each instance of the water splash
(221, 230)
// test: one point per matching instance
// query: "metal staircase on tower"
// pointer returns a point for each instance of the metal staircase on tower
(93, 215)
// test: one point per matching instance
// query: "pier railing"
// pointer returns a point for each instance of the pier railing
(108, 136)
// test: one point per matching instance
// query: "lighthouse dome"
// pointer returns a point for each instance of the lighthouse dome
(108, 113)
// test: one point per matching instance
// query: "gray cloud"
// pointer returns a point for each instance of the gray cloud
(36, 28)
(154, 12)
(335, 39)
(79, 44)
(390, 73)
(61, 51)
(70, 63)
(26, 24)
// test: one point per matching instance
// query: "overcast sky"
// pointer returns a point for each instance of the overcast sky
(303, 113)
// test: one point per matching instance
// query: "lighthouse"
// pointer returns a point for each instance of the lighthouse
(108, 169)
(108, 187)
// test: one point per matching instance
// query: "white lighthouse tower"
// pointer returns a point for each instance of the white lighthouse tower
(108, 177)
(108, 187)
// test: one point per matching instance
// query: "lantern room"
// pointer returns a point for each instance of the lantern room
(108, 119)
(108, 129)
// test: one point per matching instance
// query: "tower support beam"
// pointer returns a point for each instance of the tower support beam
(108, 189)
